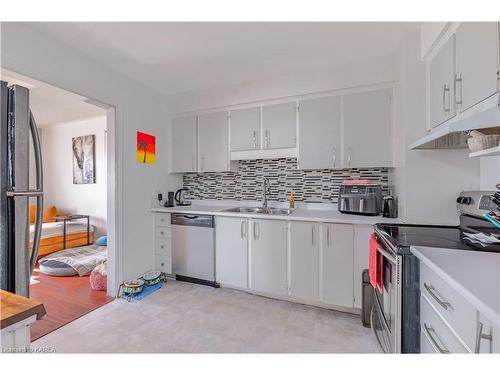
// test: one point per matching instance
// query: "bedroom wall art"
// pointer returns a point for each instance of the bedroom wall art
(84, 159)
(146, 148)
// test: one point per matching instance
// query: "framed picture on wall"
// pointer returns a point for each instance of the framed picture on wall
(84, 159)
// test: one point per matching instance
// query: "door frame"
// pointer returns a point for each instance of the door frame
(114, 180)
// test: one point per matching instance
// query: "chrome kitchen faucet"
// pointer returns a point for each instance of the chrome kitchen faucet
(265, 191)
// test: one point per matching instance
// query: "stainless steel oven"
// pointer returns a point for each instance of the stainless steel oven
(395, 314)
(386, 311)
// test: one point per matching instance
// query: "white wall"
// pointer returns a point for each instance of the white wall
(57, 156)
(489, 172)
(427, 181)
(28, 51)
(364, 73)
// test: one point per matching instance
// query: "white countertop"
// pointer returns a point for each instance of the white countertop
(473, 274)
(329, 215)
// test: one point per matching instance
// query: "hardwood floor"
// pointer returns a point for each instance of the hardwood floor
(65, 299)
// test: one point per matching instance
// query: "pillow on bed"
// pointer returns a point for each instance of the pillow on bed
(102, 241)
(48, 214)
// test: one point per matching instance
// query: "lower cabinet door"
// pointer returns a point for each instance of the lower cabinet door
(164, 263)
(304, 260)
(231, 251)
(337, 255)
(268, 261)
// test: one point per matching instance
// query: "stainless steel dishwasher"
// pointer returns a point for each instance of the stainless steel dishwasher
(193, 248)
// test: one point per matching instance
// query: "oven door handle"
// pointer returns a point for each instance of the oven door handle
(375, 331)
(387, 255)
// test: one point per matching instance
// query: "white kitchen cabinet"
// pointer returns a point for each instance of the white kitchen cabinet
(477, 52)
(213, 142)
(231, 251)
(268, 256)
(279, 124)
(163, 242)
(320, 133)
(304, 260)
(441, 84)
(245, 129)
(361, 248)
(183, 144)
(337, 264)
(368, 129)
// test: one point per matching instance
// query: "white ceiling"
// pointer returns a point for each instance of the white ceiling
(178, 57)
(51, 105)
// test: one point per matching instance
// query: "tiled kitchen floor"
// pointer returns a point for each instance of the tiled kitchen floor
(188, 318)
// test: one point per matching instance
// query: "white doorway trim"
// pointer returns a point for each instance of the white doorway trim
(114, 140)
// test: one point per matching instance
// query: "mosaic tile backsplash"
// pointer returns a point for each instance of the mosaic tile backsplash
(245, 183)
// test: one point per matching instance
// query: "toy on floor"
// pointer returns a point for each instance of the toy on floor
(98, 277)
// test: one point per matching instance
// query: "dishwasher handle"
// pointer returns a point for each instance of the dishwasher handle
(206, 221)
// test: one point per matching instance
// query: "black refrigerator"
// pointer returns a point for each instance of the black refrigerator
(17, 125)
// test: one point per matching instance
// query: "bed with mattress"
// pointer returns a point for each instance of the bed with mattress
(52, 238)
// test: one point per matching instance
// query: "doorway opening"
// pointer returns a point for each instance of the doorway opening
(76, 262)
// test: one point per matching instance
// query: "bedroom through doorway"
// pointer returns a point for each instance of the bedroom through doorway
(70, 275)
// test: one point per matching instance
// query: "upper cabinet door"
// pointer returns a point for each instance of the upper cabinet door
(184, 144)
(213, 142)
(441, 84)
(245, 129)
(279, 124)
(319, 133)
(477, 62)
(367, 129)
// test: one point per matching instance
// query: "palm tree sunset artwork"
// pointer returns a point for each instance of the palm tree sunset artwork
(146, 148)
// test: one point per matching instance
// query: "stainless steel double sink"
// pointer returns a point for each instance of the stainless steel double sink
(259, 210)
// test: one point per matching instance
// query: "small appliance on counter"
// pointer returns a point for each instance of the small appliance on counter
(389, 207)
(170, 199)
(360, 197)
(179, 198)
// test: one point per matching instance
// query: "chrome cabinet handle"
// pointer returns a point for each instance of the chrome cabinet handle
(430, 331)
(348, 156)
(446, 89)
(254, 139)
(266, 137)
(432, 291)
(327, 236)
(255, 232)
(334, 157)
(242, 229)
(312, 234)
(479, 336)
(458, 79)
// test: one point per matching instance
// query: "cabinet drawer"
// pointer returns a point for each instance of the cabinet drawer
(436, 331)
(164, 232)
(163, 264)
(163, 246)
(457, 312)
(162, 220)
